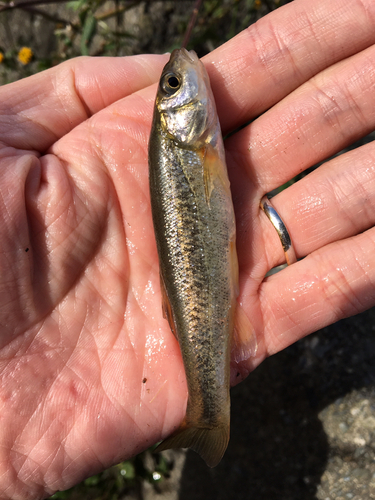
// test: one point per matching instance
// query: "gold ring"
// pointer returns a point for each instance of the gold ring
(279, 225)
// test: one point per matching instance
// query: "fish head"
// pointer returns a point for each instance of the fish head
(185, 101)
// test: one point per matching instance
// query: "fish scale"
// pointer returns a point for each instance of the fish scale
(188, 275)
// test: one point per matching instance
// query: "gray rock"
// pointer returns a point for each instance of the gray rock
(303, 426)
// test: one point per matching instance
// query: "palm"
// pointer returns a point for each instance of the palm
(91, 372)
(81, 270)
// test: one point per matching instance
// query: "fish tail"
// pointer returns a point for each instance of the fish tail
(210, 443)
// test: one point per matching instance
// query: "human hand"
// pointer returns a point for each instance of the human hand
(90, 371)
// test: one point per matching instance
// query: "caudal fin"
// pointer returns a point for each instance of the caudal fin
(209, 443)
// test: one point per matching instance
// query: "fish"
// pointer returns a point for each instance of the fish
(195, 231)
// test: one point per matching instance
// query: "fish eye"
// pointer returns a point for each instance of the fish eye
(171, 83)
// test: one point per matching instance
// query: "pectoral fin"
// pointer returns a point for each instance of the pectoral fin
(214, 170)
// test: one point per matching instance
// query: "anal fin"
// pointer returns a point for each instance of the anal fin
(244, 342)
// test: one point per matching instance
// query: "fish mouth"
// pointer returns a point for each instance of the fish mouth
(188, 55)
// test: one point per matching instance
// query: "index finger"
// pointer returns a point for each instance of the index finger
(274, 56)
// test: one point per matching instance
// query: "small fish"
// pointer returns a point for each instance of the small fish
(195, 233)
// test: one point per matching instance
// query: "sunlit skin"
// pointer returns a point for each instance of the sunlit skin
(80, 304)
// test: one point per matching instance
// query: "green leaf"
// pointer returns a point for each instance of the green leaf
(76, 5)
(127, 470)
(89, 30)
(93, 480)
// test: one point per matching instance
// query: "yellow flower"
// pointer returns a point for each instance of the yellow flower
(1, 57)
(257, 4)
(25, 55)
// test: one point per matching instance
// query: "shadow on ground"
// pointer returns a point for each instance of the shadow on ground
(279, 448)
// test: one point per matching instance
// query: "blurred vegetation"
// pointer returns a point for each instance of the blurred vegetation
(115, 482)
(36, 35)
(53, 31)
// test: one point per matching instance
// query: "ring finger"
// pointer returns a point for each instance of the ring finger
(320, 118)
